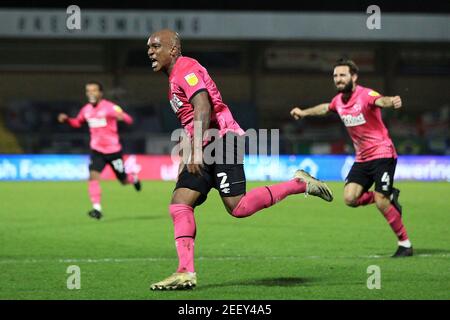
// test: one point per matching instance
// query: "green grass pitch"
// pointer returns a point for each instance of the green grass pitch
(301, 248)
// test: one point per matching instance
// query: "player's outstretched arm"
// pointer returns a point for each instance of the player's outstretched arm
(122, 115)
(389, 102)
(62, 117)
(319, 110)
(73, 122)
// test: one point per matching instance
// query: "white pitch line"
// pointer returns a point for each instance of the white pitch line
(150, 259)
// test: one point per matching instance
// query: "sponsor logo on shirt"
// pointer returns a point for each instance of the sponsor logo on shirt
(191, 79)
(175, 103)
(352, 121)
(357, 107)
(96, 122)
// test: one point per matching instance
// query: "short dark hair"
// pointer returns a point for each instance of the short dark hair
(349, 63)
(98, 84)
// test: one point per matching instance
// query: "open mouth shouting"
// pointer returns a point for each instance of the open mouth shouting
(154, 63)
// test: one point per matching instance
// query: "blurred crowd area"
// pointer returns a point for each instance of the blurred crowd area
(33, 128)
(260, 81)
(36, 129)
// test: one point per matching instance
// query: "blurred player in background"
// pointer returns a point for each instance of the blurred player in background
(102, 116)
(376, 158)
(198, 105)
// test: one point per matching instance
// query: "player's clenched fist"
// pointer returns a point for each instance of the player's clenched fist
(396, 102)
(297, 113)
(195, 160)
(120, 116)
(62, 117)
(194, 168)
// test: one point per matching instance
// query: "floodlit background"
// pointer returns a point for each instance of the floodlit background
(264, 62)
(265, 58)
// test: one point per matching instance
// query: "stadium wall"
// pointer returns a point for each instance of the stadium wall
(257, 168)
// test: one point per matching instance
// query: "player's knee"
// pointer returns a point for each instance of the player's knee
(180, 199)
(350, 201)
(240, 211)
(176, 199)
(382, 202)
(234, 206)
(229, 210)
(237, 211)
(94, 175)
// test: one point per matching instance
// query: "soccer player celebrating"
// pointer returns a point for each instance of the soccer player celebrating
(195, 99)
(376, 158)
(102, 116)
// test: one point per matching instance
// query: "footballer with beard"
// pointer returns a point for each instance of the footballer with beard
(376, 158)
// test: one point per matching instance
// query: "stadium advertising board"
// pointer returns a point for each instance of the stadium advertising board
(77, 22)
(257, 168)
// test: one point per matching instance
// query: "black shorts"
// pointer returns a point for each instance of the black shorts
(380, 171)
(115, 160)
(227, 175)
